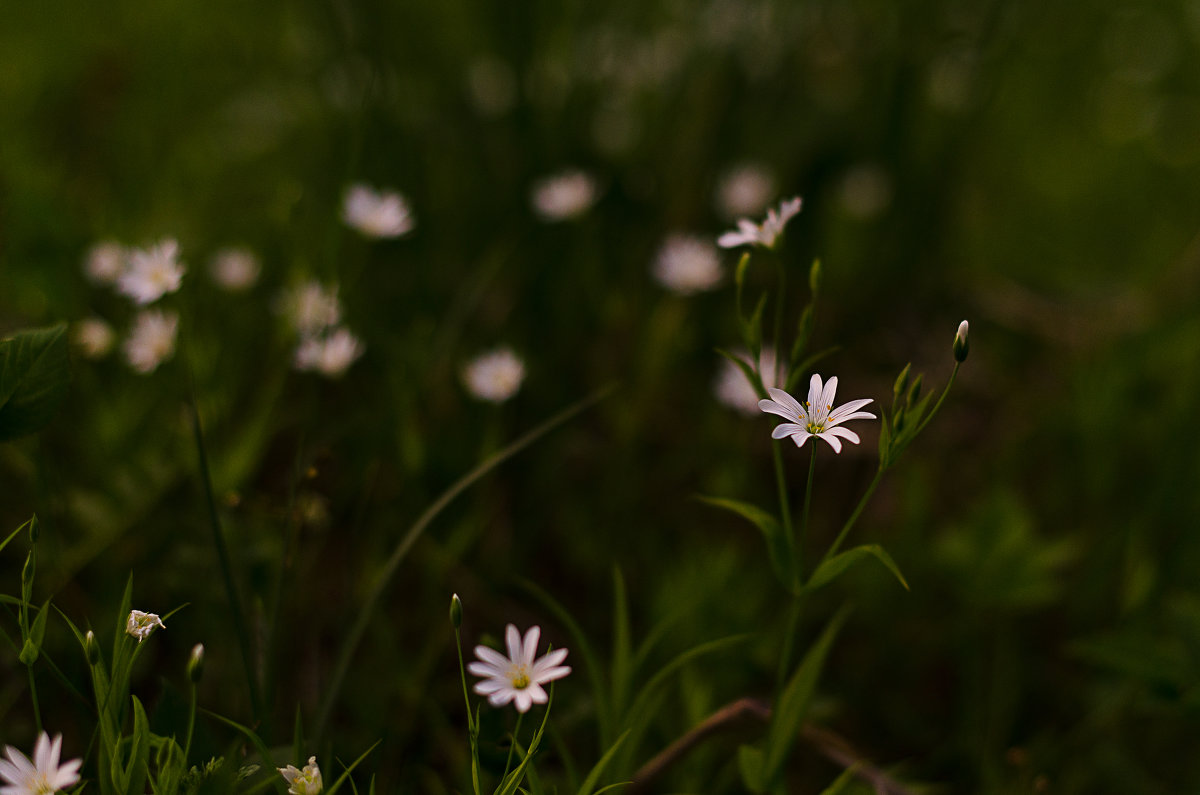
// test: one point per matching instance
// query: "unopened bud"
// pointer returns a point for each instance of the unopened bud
(914, 391)
(29, 653)
(456, 611)
(91, 649)
(901, 385)
(961, 347)
(34, 529)
(195, 665)
(814, 277)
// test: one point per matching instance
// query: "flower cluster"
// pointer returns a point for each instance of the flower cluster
(314, 312)
(376, 214)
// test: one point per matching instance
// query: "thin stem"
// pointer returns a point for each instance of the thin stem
(858, 509)
(462, 674)
(512, 748)
(781, 486)
(779, 347)
(187, 745)
(789, 641)
(37, 710)
(812, 467)
(938, 405)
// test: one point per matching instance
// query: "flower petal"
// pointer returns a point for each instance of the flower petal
(523, 699)
(536, 694)
(529, 652)
(788, 402)
(489, 686)
(492, 657)
(833, 441)
(828, 394)
(814, 395)
(787, 429)
(487, 669)
(801, 438)
(771, 407)
(550, 674)
(550, 660)
(845, 433)
(512, 639)
(858, 415)
(501, 697)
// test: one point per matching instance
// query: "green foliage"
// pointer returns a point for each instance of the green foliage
(34, 376)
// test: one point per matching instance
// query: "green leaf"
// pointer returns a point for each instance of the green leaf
(750, 764)
(779, 546)
(739, 279)
(752, 329)
(34, 375)
(593, 777)
(346, 773)
(754, 379)
(622, 655)
(841, 782)
(135, 772)
(833, 568)
(514, 780)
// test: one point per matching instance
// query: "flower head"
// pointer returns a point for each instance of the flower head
(687, 264)
(766, 234)
(817, 417)
(152, 273)
(310, 307)
(565, 195)
(303, 782)
(731, 386)
(494, 376)
(329, 354)
(94, 337)
(104, 262)
(378, 214)
(43, 774)
(234, 269)
(518, 677)
(152, 340)
(961, 344)
(141, 625)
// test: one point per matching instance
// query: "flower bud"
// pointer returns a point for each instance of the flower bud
(456, 611)
(961, 348)
(91, 648)
(814, 277)
(901, 385)
(195, 665)
(29, 653)
(35, 529)
(914, 391)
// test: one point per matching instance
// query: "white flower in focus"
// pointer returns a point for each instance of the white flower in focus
(745, 190)
(732, 388)
(378, 214)
(330, 355)
(495, 376)
(234, 269)
(310, 308)
(750, 233)
(151, 273)
(303, 782)
(94, 337)
(518, 677)
(151, 341)
(687, 264)
(104, 262)
(565, 195)
(141, 625)
(817, 417)
(42, 775)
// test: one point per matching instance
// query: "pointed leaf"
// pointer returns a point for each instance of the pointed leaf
(752, 377)
(831, 569)
(841, 782)
(346, 773)
(779, 546)
(34, 375)
(593, 777)
(752, 329)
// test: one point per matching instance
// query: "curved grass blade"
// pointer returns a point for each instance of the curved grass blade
(833, 568)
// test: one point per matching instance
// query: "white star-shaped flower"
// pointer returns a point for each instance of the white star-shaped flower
(303, 782)
(43, 774)
(766, 234)
(817, 417)
(518, 677)
(141, 625)
(152, 273)
(378, 214)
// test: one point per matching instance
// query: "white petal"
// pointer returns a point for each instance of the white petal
(489, 686)
(492, 657)
(828, 394)
(523, 699)
(771, 407)
(529, 653)
(550, 660)
(550, 674)
(858, 415)
(536, 694)
(833, 441)
(486, 669)
(845, 433)
(733, 240)
(849, 408)
(512, 639)
(787, 401)
(800, 438)
(787, 429)
(501, 697)
(814, 395)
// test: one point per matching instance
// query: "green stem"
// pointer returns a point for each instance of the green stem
(862, 503)
(781, 485)
(789, 642)
(187, 745)
(940, 400)
(37, 710)
(516, 733)
(462, 673)
(812, 467)
(779, 347)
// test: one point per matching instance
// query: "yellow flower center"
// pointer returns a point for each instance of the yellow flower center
(519, 678)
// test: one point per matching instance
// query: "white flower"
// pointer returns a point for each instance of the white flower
(40, 776)
(141, 625)
(104, 262)
(732, 388)
(565, 195)
(310, 308)
(744, 190)
(330, 354)
(750, 233)
(152, 339)
(518, 677)
(494, 376)
(687, 264)
(817, 417)
(303, 782)
(379, 214)
(234, 269)
(151, 273)
(94, 337)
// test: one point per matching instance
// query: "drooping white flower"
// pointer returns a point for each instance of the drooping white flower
(234, 269)
(151, 341)
(329, 354)
(565, 195)
(104, 262)
(141, 625)
(766, 234)
(310, 308)
(495, 376)
(687, 264)
(94, 337)
(817, 417)
(732, 388)
(378, 214)
(152, 273)
(518, 677)
(744, 190)
(303, 782)
(42, 775)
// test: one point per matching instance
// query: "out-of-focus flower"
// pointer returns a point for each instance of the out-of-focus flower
(379, 214)
(329, 354)
(518, 677)
(687, 264)
(494, 376)
(104, 262)
(235, 269)
(152, 273)
(151, 341)
(732, 388)
(94, 337)
(565, 195)
(766, 234)
(42, 775)
(141, 625)
(817, 417)
(303, 782)
(310, 308)
(745, 190)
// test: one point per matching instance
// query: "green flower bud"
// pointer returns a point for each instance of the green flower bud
(901, 385)
(914, 391)
(195, 665)
(961, 348)
(91, 648)
(29, 653)
(456, 611)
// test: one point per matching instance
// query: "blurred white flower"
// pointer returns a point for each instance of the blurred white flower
(687, 264)
(494, 376)
(518, 677)
(310, 308)
(766, 235)
(303, 782)
(94, 337)
(732, 388)
(817, 417)
(744, 190)
(329, 354)
(42, 775)
(379, 214)
(104, 262)
(151, 341)
(568, 194)
(141, 625)
(235, 269)
(151, 273)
